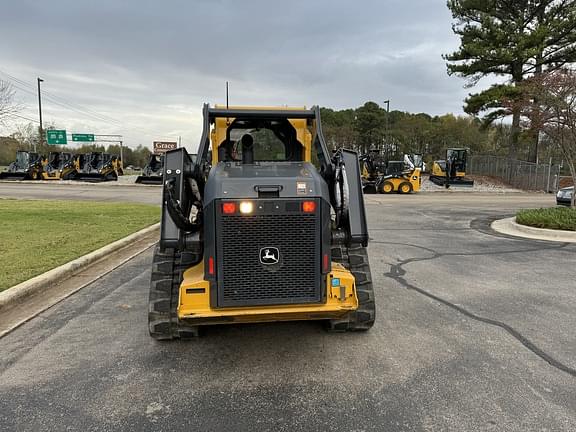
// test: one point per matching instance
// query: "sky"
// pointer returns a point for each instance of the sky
(144, 68)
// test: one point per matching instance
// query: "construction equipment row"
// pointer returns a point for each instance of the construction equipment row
(92, 167)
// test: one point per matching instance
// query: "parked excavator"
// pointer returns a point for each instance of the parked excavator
(452, 170)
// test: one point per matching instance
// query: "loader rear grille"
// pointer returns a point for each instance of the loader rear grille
(242, 278)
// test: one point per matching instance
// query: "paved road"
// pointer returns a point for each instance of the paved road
(475, 332)
(109, 191)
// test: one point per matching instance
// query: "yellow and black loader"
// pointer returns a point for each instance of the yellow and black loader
(27, 166)
(263, 225)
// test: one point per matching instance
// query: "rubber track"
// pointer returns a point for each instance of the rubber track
(355, 259)
(168, 268)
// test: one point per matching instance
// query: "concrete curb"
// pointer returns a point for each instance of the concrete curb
(510, 227)
(51, 277)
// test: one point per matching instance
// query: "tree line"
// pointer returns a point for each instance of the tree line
(395, 133)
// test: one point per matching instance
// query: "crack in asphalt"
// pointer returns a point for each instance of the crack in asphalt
(398, 273)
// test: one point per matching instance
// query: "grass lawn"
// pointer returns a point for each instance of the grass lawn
(561, 218)
(36, 236)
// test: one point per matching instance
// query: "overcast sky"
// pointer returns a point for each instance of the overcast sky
(149, 65)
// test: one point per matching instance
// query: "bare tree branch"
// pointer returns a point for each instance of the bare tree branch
(7, 105)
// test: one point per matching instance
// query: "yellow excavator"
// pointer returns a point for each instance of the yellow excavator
(452, 170)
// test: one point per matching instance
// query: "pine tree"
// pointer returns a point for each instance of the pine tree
(514, 39)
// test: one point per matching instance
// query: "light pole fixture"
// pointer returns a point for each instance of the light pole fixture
(41, 129)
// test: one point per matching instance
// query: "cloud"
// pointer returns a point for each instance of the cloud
(150, 65)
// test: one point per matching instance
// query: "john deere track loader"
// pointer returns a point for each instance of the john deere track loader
(27, 166)
(98, 167)
(152, 172)
(59, 165)
(263, 226)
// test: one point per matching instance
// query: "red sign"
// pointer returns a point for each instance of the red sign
(163, 146)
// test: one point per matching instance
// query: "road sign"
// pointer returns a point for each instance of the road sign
(56, 137)
(163, 146)
(83, 137)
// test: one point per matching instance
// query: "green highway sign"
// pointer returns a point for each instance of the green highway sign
(56, 137)
(83, 137)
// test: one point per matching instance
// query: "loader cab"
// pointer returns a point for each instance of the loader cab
(54, 161)
(274, 140)
(251, 141)
(95, 159)
(458, 160)
(23, 159)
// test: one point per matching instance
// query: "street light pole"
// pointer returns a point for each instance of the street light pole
(387, 102)
(41, 130)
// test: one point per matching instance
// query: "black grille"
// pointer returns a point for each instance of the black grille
(243, 280)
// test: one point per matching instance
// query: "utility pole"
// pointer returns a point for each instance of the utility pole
(179, 141)
(41, 130)
(387, 102)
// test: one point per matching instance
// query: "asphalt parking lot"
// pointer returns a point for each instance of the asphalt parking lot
(475, 332)
(70, 190)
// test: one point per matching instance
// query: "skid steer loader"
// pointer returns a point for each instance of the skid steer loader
(27, 166)
(152, 172)
(264, 225)
(401, 176)
(97, 167)
(59, 165)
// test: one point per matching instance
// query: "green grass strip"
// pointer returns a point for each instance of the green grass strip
(560, 218)
(37, 236)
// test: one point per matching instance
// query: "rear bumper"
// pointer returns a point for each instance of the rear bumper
(194, 305)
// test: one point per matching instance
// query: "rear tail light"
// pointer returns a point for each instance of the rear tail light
(229, 208)
(211, 265)
(309, 206)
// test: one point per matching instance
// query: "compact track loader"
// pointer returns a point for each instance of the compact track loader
(452, 170)
(27, 166)
(98, 167)
(59, 165)
(152, 172)
(264, 225)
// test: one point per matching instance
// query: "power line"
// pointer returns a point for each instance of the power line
(24, 117)
(29, 88)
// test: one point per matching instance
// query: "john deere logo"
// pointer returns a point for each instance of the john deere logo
(269, 255)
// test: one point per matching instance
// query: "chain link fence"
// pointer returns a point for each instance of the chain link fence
(518, 174)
